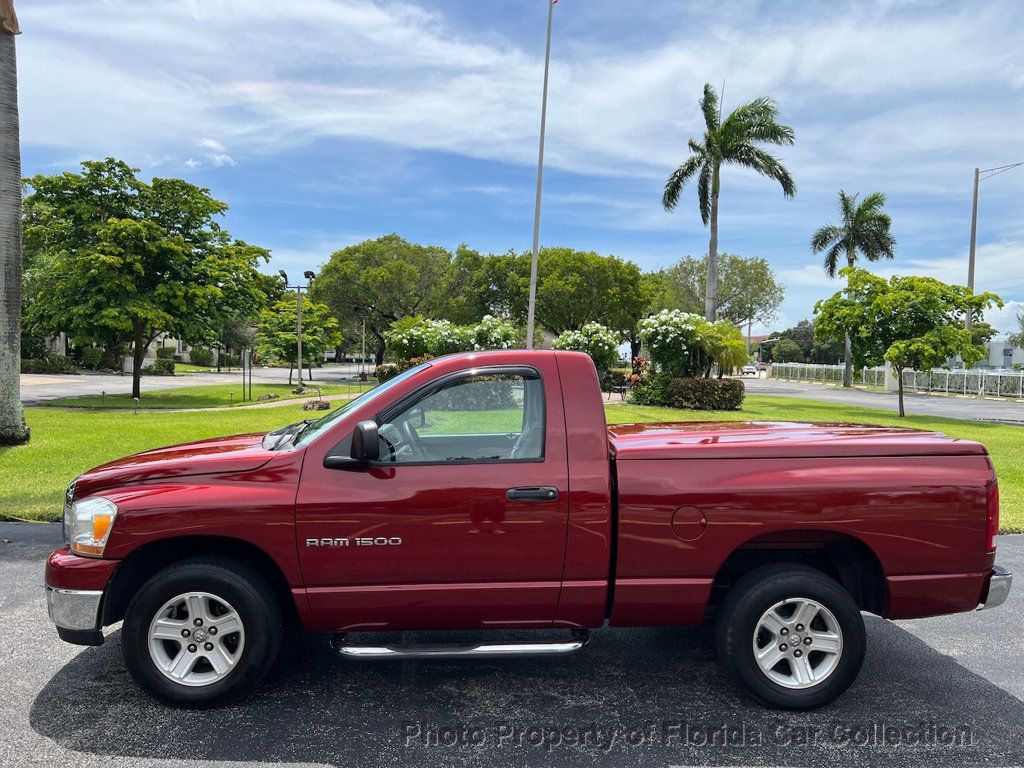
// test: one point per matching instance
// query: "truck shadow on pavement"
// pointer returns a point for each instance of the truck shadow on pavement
(632, 697)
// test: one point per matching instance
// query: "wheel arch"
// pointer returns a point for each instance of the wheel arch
(842, 556)
(154, 556)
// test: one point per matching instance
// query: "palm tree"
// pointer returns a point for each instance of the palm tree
(730, 141)
(12, 418)
(866, 229)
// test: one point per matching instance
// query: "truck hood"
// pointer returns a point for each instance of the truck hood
(239, 453)
(762, 439)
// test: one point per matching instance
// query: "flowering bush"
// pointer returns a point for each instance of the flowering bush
(672, 338)
(445, 337)
(415, 337)
(493, 333)
(687, 345)
(598, 341)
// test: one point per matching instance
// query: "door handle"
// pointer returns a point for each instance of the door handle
(532, 493)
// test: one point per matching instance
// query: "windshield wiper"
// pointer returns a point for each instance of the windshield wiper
(289, 432)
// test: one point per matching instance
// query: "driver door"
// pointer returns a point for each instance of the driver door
(462, 521)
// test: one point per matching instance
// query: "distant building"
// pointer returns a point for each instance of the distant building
(1002, 354)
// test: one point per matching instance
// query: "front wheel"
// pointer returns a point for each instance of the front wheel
(202, 633)
(791, 636)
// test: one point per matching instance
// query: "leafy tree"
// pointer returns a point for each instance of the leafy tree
(911, 322)
(239, 313)
(787, 351)
(866, 230)
(733, 141)
(573, 288)
(1017, 339)
(812, 350)
(748, 290)
(384, 280)
(276, 338)
(121, 261)
(12, 419)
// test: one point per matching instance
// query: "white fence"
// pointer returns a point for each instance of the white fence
(981, 382)
(874, 377)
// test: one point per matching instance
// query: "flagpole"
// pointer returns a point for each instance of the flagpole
(531, 312)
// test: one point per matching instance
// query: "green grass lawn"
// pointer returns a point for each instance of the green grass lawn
(206, 396)
(192, 368)
(66, 442)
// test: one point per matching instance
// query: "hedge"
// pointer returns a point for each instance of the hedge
(705, 394)
(200, 356)
(160, 367)
(165, 353)
(51, 363)
(92, 357)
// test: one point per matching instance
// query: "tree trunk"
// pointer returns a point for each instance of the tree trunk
(634, 348)
(711, 288)
(378, 355)
(138, 355)
(851, 257)
(899, 380)
(13, 430)
(290, 369)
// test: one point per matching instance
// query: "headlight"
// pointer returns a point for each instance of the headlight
(90, 521)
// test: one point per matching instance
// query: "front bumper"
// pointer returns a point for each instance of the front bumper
(998, 588)
(75, 588)
(76, 614)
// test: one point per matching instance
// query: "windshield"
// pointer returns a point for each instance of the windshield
(316, 428)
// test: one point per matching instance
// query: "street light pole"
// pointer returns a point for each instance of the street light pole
(309, 275)
(532, 309)
(298, 330)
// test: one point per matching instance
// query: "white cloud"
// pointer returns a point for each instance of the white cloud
(211, 144)
(268, 74)
(907, 99)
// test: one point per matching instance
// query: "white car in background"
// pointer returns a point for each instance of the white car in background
(749, 370)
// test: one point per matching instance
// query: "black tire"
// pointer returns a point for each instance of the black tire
(240, 586)
(742, 609)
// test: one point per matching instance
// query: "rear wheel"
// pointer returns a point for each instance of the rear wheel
(791, 636)
(202, 632)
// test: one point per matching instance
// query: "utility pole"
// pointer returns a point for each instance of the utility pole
(974, 242)
(978, 177)
(532, 310)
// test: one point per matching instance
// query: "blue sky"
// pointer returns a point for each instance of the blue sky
(325, 122)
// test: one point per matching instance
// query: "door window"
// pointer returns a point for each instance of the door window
(480, 418)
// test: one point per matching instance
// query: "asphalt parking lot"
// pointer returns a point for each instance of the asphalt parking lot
(945, 691)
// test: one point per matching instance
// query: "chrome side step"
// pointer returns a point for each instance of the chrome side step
(447, 651)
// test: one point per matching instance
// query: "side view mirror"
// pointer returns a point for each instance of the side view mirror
(365, 448)
(365, 445)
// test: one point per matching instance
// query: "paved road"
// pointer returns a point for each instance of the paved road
(970, 408)
(634, 697)
(36, 387)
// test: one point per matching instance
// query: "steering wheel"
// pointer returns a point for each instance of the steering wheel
(382, 434)
(412, 439)
(401, 440)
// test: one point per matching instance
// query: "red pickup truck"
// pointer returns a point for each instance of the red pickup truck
(485, 491)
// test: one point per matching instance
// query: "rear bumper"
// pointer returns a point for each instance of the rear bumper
(998, 590)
